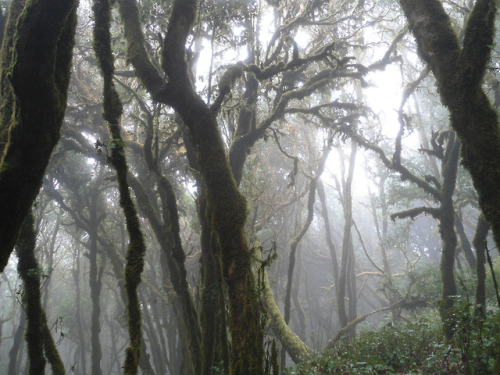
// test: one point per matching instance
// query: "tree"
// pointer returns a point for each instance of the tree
(459, 71)
(33, 104)
(225, 202)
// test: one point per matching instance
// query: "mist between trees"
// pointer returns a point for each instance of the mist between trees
(238, 186)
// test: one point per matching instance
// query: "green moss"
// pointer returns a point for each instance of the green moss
(112, 110)
(38, 103)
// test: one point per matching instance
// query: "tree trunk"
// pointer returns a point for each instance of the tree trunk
(215, 351)
(39, 98)
(38, 337)
(112, 110)
(15, 350)
(447, 232)
(95, 291)
(464, 242)
(224, 201)
(294, 346)
(347, 259)
(168, 236)
(479, 243)
(29, 272)
(328, 230)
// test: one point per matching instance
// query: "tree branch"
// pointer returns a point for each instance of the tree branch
(414, 212)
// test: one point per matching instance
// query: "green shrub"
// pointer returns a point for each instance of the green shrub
(414, 346)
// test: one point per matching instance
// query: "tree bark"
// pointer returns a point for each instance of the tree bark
(294, 346)
(479, 243)
(112, 110)
(39, 99)
(447, 232)
(38, 336)
(29, 271)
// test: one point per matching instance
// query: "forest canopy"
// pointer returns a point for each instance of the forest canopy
(249, 187)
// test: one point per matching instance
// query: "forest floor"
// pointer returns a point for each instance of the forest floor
(414, 345)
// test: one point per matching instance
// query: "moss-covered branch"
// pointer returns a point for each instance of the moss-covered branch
(294, 346)
(416, 211)
(478, 42)
(405, 173)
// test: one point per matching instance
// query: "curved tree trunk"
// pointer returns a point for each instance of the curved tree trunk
(296, 240)
(29, 272)
(224, 201)
(294, 346)
(112, 110)
(39, 99)
(38, 336)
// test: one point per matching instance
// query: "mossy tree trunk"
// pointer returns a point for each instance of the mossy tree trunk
(459, 72)
(224, 201)
(95, 281)
(37, 104)
(38, 337)
(447, 231)
(215, 350)
(112, 111)
(294, 346)
(28, 270)
(164, 221)
(479, 243)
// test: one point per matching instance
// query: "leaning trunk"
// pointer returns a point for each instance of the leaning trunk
(39, 93)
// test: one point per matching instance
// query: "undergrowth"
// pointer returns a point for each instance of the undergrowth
(415, 346)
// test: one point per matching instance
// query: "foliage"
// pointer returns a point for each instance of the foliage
(414, 346)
